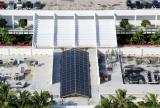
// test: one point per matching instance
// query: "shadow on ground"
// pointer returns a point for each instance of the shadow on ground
(56, 67)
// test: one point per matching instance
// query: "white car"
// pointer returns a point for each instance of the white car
(11, 5)
(19, 4)
(17, 84)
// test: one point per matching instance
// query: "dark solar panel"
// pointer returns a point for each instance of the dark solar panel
(75, 73)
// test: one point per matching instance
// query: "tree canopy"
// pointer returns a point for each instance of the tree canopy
(3, 22)
(24, 98)
(122, 100)
(145, 23)
(23, 23)
(125, 24)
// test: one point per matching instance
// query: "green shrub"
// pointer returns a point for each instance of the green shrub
(3, 23)
(137, 37)
(145, 23)
(129, 26)
(155, 38)
(97, 106)
(22, 23)
(3, 31)
(125, 24)
(8, 39)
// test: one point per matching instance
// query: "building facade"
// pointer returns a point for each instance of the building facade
(72, 29)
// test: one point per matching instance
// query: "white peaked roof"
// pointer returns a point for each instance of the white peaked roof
(75, 29)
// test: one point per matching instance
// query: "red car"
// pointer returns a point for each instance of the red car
(2, 5)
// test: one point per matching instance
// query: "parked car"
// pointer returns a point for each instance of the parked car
(19, 4)
(1, 62)
(147, 5)
(133, 5)
(18, 84)
(29, 5)
(2, 5)
(38, 5)
(156, 4)
(139, 5)
(11, 5)
(129, 3)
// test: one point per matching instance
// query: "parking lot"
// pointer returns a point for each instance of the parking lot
(143, 4)
(21, 4)
(79, 4)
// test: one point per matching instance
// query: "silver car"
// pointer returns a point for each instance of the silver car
(19, 4)
(11, 5)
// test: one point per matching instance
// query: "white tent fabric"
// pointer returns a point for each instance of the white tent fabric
(45, 32)
(65, 33)
(86, 33)
(107, 34)
(68, 31)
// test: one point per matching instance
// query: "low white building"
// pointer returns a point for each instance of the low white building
(79, 29)
(56, 29)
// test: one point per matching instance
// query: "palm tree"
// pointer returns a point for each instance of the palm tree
(106, 103)
(121, 100)
(155, 38)
(7, 97)
(151, 101)
(141, 104)
(124, 23)
(23, 100)
(42, 100)
(145, 23)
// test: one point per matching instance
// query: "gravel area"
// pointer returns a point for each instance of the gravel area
(85, 4)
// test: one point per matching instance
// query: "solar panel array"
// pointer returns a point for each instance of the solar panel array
(75, 73)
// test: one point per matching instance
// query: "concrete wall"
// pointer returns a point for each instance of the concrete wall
(131, 19)
(25, 51)
(140, 51)
(126, 51)
(134, 51)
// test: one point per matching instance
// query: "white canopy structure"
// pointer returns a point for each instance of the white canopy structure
(44, 31)
(71, 29)
(78, 29)
(65, 31)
